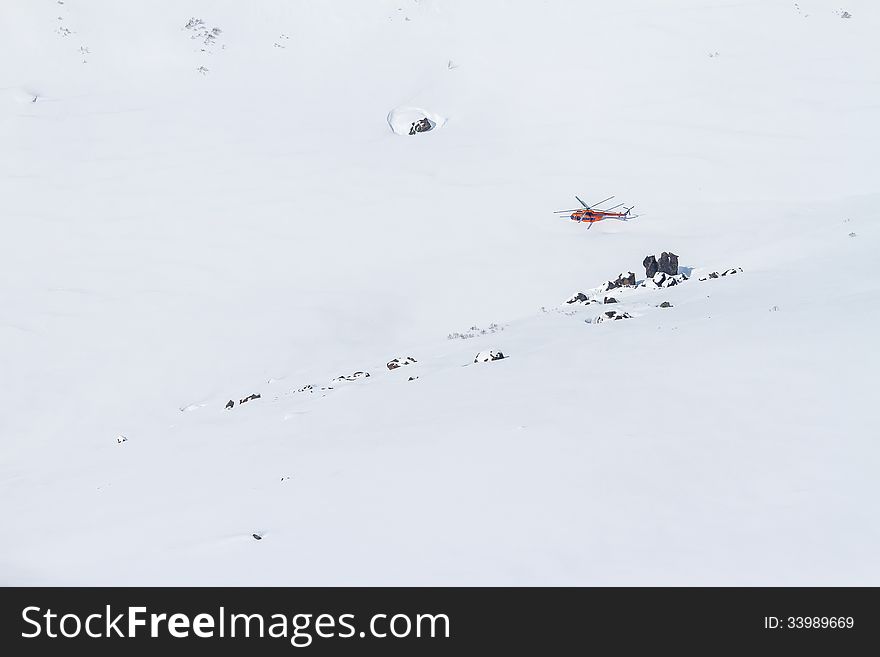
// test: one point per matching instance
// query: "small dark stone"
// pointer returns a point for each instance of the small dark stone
(610, 300)
(230, 404)
(666, 304)
(257, 537)
(580, 296)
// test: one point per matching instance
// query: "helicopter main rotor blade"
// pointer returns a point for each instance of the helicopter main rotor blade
(599, 203)
(581, 202)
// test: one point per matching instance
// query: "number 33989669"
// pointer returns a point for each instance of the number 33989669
(809, 622)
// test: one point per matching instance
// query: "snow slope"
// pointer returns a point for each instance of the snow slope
(189, 220)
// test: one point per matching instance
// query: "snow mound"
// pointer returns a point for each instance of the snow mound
(19, 95)
(401, 119)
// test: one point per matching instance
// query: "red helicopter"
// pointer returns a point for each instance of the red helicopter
(591, 213)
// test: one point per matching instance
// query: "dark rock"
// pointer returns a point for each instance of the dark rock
(610, 300)
(668, 263)
(230, 404)
(257, 537)
(247, 399)
(487, 356)
(661, 279)
(666, 304)
(612, 315)
(726, 272)
(422, 125)
(578, 298)
(400, 362)
(353, 377)
(622, 281)
(626, 281)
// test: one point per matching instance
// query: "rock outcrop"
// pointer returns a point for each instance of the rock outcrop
(628, 280)
(487, 356)
(609, 315)
(353, 377)
(667, 264)
(400, 362)
(422, 125)
(661, 279)
(726, 272)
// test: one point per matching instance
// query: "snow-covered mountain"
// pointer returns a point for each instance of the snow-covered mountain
(204, 200)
